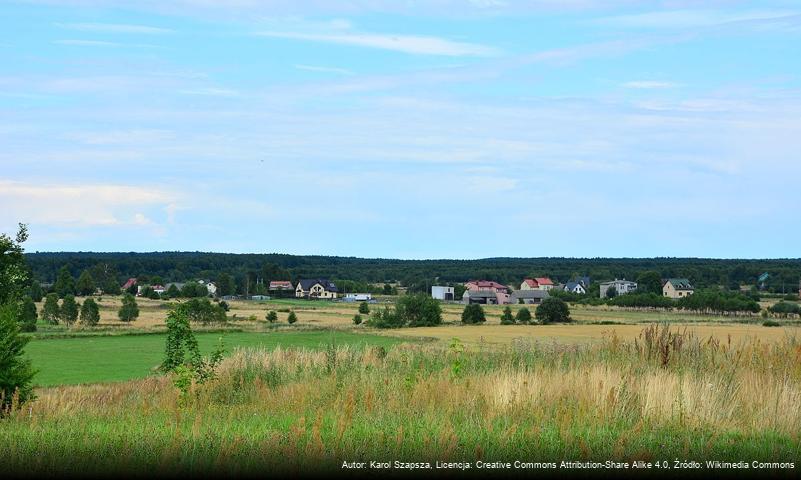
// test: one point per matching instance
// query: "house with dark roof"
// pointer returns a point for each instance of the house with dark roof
(677, 288)
(316, 288)
(575, 287)
(528, 297)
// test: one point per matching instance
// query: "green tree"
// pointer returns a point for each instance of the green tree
(364, 308)
(202, 310)
(418, 310)
(68, 313)
(13, 270)
(27, 317)
(552, 310)
(357, 319)
(523, 316)
(129, 310)
(387, 289)
(650, 282)
(50, 310)
(16, 373)
(86, 284)
(272, 317)
(292, 317)
(36, 292)
(507, 318)
(172, 292)
(90, 312)
(181, 343)
(611, 292)
(225, 285)
(65, 284)
(458, 291)
(473, 313)
(385, 318)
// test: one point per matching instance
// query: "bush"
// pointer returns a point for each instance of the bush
(418, 310)
(783, 308)
(523, 316)
(27, 315)
(641, 300)
(204, 311)
(50, 309)
(385, 318)
(90, 313)
(292, 318)
(357, 319)
(68, 313)
(473, 313)
(272, 317)
(771, 323)
(507, 318)
(552, 310)
(364, 308)
(129, 310)
(224, 305)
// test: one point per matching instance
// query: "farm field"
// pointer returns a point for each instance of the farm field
(111, 358)
(303, 411)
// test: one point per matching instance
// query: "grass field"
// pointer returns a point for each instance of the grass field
(668, 396)
(90, 359)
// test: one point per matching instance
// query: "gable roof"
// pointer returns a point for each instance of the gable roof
(570, 286)
(680, 283)
(278, 284)
(308, 284)
(530, 282)
(487, 284)
(529, 294)
(543, 281)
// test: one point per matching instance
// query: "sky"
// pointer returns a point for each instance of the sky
(403, 129)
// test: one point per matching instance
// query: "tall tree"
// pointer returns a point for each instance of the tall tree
(27, 317)
(129, 310)
(507, 318)
(36, 292)
(50, 309)
(651, 282)
(552, 310)
(225, 284)
(90, 312)
(65, 284)
(473, 313)
(16, 373)
(68, 313)
(86, 284)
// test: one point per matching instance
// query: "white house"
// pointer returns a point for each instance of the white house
(621, 286)
(358, 297)
(442, 293)
(575, 287)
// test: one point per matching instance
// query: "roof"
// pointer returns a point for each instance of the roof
(487, 284)
(274, 284)
(680, 283)
(543, 281)
(529, 294)
(618, 282)
(530, 282)
(307, 284)
(128, 283)
(572, 286)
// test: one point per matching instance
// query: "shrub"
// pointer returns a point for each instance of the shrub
(129, 310)
(552, 310)
(771, 323)
(204, 311)
(357, 319)
(272, 317)
(50, 309)
(783, 308)
(418, 310)
(364, 308)
(224, 305)
(507, 318)
(523, 316)
(27, 315)
(16, 372)
(473, 313)
(90, 312)
(292, 317)
(385, 318)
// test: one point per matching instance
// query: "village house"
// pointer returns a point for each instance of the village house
(442, 293)
(128, 284)
(528, 297)
(677, 288)
(538, 283)
(622, 287)
(481, 291)
(280, 285)
(358, 297)
(316, 288)
(575, 287)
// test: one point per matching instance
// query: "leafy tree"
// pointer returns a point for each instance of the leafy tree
(225, 284)
(523, 316)
(90, 312)
(473, 313)
(224, 305)
(611, 292)
(272, 317)
(50, 310)
(68, 313)
(16, 373)
(65, 284)
(181, 343)
(385, 318)
(13, 270)
(172, 292)
(357, 319)
(36, 292)
(364, 308)
(194, 290)
(204, 311)
(458, 291)
(133, 289)
(86, 284)
(552, 310)
(387, 289)
(27, 316)
(649, 282)
(507, 318)
(129, 310)
(418, 310)
(292, 317)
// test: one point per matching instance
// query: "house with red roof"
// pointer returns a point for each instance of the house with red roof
(537, 283)
(130, 283)
(486, 291)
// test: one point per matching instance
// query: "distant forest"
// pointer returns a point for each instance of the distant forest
(417, 275)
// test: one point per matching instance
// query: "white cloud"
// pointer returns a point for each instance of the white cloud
(211, 92)
(412, 44)
(649, 84)
(314, 68)
(115, 28)
(121, 137)
(88, 43)
(79, 205)
(678, 19)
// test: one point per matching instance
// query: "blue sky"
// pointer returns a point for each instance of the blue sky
(440, 129)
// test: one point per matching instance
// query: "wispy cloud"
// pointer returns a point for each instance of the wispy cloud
(650, 84)
(411, 44)
(115, 28)
(680, 19)
(101, 43)
(211, 92)
(314, 68)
